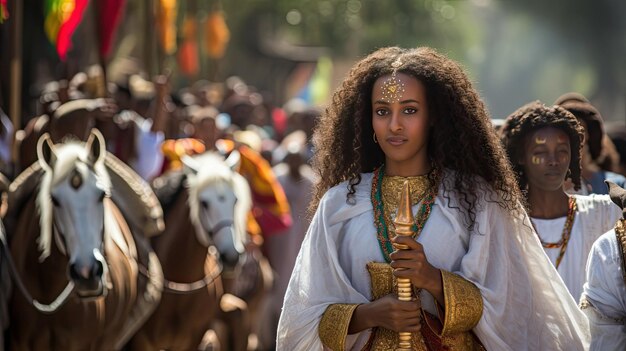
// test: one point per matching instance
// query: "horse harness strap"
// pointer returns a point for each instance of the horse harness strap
(205, 236)
(43, 308)
(188, 288)
(220, 225)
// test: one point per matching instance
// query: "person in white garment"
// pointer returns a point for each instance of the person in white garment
(297, 179)
(604, 295)
(478, 274)
(544, 146)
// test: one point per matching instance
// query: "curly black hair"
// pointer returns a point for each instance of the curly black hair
(534, 116)
(462, 138)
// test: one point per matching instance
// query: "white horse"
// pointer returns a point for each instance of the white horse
(219, 202)
(82, 243)
(205, 226)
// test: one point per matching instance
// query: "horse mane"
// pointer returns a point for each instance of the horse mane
(214, 170)
(69, 156)
(167, 187)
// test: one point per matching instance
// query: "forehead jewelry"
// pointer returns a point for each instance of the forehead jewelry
(393, 88)
(539, 140)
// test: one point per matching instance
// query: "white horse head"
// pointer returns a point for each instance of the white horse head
(219, 202)
(71, 207)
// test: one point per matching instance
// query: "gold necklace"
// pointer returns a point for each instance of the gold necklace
(565, 235)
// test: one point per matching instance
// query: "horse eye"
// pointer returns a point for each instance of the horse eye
(55, 202)
(205, 204)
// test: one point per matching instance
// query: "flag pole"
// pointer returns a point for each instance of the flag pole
(158, 46)
(148, 36)
(102, 83)
(16, 65)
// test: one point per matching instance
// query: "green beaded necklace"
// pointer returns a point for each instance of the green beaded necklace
(379, 217)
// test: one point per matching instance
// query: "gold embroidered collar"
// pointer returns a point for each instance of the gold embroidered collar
(392, 188)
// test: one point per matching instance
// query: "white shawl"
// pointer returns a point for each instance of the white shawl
(526, 304)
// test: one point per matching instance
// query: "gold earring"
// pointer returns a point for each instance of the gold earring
(374, 137)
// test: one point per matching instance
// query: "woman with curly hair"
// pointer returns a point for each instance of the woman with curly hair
(544, 145)
(477, 274)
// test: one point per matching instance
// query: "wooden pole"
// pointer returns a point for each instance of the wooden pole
(102, 90)
(158, 46)
(149, 34)
(16, 65)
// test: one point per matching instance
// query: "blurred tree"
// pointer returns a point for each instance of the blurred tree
(592, 36)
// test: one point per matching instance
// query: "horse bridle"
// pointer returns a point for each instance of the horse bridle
(43, 308)
(207, 240)
(219, 226)
(60, 300)
(188, 288)
(209, 278)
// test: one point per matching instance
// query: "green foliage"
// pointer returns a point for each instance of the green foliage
(516, 51)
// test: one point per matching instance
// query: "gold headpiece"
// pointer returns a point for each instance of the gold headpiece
(393, 88)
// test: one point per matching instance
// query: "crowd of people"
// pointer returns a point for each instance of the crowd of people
(152, 129)
(517, 242)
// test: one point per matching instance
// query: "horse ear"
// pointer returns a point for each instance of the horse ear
(45, 152)
(190, 166)
(233, 160)
(96, 146)
(617, 195)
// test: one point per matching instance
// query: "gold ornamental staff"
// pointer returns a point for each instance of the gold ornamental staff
(404, 222)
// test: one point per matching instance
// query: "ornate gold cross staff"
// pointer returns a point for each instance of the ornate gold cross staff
(404, 222)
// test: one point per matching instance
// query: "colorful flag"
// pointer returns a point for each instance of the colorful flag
(317, 90)
(109, 15)
(4, 12)
(166, 25)
(188, 60)
(62, 18)
(217, 35)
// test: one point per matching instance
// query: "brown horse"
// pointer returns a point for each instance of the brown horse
(204, 228)
(77, 265)
(243, 308)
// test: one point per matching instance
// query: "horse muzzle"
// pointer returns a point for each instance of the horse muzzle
(223, 239)
(89, 276)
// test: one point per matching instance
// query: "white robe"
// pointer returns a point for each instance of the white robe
(526, 304)
(606, 291)
(596, 215)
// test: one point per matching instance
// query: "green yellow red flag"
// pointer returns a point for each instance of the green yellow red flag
(61, 19)
(4, 12)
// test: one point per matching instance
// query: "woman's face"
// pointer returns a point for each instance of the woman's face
(401, 123)
(546, 158)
